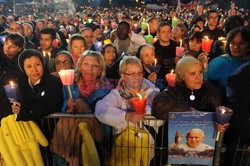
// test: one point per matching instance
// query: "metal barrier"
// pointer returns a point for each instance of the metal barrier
(139, 151)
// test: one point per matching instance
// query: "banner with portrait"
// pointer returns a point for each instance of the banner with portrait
(191, 138)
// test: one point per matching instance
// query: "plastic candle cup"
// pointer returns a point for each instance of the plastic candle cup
(206, 44)
(222, 116)
(11, 91)
(67, 78)
(98, 46)
(179, 51)
(174, 21)
(148, 38)
(170, 77)
(139, 104)
(144, 25)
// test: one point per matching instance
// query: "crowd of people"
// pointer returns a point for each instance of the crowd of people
(112, 52)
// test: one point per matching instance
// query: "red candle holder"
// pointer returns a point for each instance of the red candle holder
(206, 44)
(139, 104)
(170, 77)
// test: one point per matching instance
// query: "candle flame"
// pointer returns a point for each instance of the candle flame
(140, 97)
(155, 61)
(44, 53)
(180, 43)
(221, 38)
(49, 54)
(206, 37)
(223, 111)
(172, 71)
(12, 84)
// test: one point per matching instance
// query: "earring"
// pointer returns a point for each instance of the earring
(192, 97)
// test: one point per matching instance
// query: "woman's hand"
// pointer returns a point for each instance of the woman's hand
(71, 104)
(15, 107)
(133, 117)
(152, 77)
(204, 60)
(222, 128)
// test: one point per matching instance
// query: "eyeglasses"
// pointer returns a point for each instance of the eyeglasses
(66, 62)
(234, 44)
(134, 74)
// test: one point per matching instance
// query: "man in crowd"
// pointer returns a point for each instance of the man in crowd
(87, 33)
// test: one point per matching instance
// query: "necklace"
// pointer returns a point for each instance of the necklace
(192, 97)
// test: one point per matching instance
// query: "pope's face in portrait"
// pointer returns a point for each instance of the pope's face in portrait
(194, 138)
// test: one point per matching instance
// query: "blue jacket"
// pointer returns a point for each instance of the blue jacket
(91, 100)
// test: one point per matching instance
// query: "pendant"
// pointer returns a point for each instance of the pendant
(192, 97)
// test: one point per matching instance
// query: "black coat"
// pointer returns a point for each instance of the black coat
(37, 102)
(176, 99)
(238, 95)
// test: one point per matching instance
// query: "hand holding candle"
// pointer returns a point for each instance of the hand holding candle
(222, 116)
(139, 104)
(11, 91)
(206, 44)
(67, 78)
(180, 50)
(155, 68)
(98, 46)
(170, 77)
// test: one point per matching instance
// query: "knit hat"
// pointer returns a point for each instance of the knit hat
(183, 65)
(27, 54)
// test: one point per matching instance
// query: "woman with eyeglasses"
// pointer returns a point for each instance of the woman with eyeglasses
(237, 53)
(89, 86)
(64, 61)
(116, 108)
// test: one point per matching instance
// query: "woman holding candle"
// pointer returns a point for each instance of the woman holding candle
(190, 92)
(237, 52)
(40, 92)
(146, 54)
(77, 46)
(86, 91)
(116, 108)
(179, 33)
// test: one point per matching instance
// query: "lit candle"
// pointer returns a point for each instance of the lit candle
(107, 41)
(67, 78)
(148, 29)
(155, 61)
(11, 91)
(148, 38)
(155, 39)
(139, 104)
(223, 40)
(44, 54)
(180, 43)
(49, 54)
(206, 44)
(174, 21)
(222, 116)
(170, 77)
(98, 46)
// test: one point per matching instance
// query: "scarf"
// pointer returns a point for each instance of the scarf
(87, 90)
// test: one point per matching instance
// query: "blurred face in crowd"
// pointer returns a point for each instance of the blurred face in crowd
(193, 77)
(177, 32)
(40, 25)
(153, 26)
(90, 68)
(195, 45)
(123, 32)
(164, 34)
(200, 9)
(33, 68)
(133, 76)
(200, 24)
(194, 138)
(109, 55)
(232, 12)
(77, 48)
(213, 19)
(27, 30)
(46, 41)
(63, 62)
(16, 28)
(239, 47)
(50, 24)
(1, 20)
(88, 35)
(10, 49)
(147, 55)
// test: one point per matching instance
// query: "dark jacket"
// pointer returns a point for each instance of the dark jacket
(37, 102)
(238, 95)
(177, 99)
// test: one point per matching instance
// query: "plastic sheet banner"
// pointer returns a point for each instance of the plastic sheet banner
(156, 7)
(191, 138)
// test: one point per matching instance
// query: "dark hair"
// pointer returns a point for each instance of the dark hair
(126, 24)
(162, 24)
(210, 11)
(28, 54)
(77, 37)
(196, 35)
(192, 53)
(109, 45)
(86, 28)
(244, 32)
(16, 39)
(232, 22)
(139, 51)
(49, 31)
